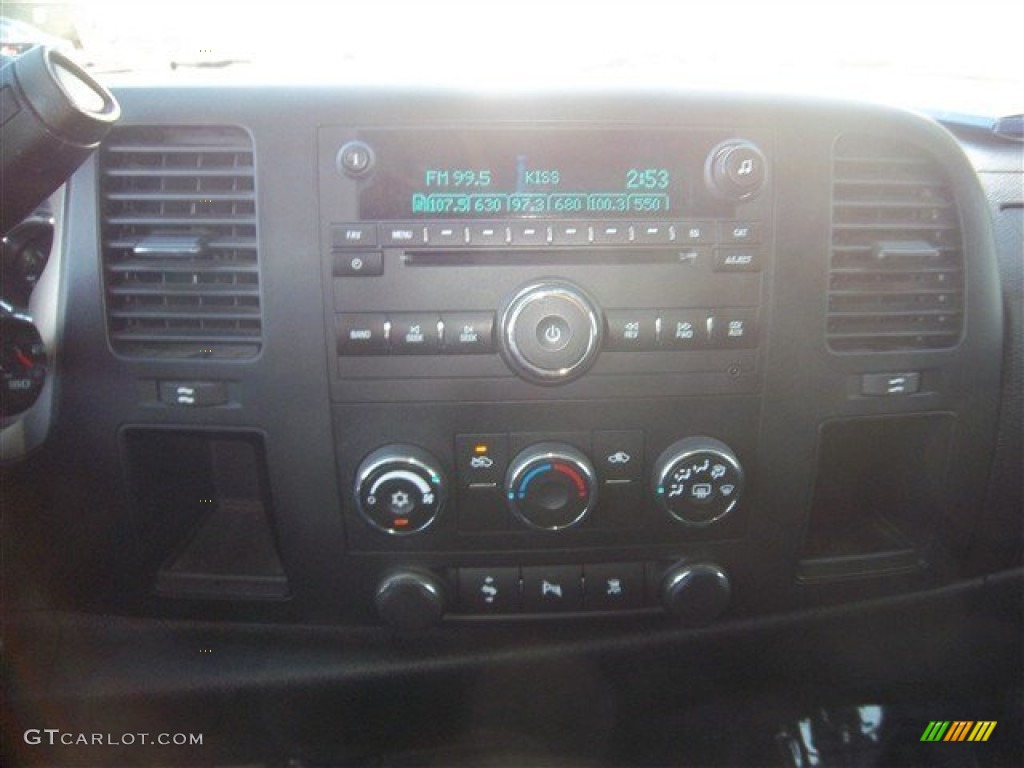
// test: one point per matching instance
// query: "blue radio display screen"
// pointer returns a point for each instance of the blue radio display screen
(538, 173)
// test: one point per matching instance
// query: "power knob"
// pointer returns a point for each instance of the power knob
(550, 332)
(735, 170)
(695, 593)
(410, 599)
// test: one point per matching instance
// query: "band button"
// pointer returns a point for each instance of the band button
(361, 334)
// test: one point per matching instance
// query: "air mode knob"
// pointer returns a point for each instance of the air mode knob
(551, 486)
(736, 170)
(698, 481)
(550, 332)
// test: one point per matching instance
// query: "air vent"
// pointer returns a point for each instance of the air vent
(181, 266)
(896, 279)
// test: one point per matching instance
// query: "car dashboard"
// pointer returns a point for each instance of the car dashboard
(388, 410)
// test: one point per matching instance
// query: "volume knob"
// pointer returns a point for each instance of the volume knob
(735, 170)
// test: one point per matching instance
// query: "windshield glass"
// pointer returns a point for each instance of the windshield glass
(961, 56)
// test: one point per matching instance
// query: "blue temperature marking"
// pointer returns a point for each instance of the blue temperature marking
(661, 490)
(530, 475)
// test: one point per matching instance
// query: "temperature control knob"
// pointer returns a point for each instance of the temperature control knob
(735, 170)
(400, 489)
(698, 480)
(551, 486)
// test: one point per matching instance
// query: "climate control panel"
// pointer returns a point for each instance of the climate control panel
(524, 482)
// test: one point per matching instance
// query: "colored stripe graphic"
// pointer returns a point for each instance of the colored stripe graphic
(982, 730)
(958, 731)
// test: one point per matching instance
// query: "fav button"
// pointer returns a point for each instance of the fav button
(353, 235)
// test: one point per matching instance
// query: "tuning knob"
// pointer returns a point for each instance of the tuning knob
(410, 599)
(735, 170)
(551, 486)
(698, 481)
(696, 593)
(400, 489)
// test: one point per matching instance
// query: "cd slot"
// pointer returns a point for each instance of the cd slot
(548, 256)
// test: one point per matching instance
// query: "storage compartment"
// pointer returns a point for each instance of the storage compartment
(879, 495)
(202, 506)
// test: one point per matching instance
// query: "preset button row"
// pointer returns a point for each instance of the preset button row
(527, 233)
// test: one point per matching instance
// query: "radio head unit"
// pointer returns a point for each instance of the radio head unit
(544, 255)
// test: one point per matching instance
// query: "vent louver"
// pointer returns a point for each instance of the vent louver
(180, 255)
(896, 277)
